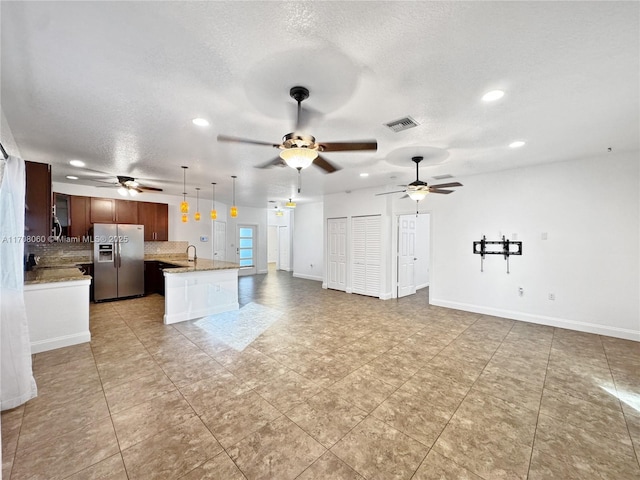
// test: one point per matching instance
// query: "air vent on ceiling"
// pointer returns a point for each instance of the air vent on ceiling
(402, 124)
(442, 177)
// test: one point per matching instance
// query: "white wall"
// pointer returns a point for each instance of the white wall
(308, 241)
(589, 211)
(423, 248)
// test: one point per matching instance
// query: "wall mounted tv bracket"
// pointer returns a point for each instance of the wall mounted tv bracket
(506, 248)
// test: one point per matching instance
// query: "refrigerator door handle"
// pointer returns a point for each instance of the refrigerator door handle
(119, 255)
(115, 256)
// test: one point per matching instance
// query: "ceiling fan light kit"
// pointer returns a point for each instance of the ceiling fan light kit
(300, 150)
(418, 190)
(299, 157)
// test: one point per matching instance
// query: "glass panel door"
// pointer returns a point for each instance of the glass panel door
(247, 249)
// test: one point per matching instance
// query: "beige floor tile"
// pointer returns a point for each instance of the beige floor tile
(437, 467)
(330, 360)
(238, 417)
(146, 419)
(63, 455)
(279, 450)
(208, 394)
(490, 437)
(563, 450)
(376, 450)
(193, 369)
(510, 389)
(110, 469)
(363, 389)
(288, 390)
(412, 416)
(589, 416)
(64, 355)
(171, 453)
(436, 390)
(326, 417)
(139, 390)
(50, 423)
(219, 467)
(329, 467)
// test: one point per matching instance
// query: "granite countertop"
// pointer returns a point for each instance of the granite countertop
(59, 273)
(182, 265)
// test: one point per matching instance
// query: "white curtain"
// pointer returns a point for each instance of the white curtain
(17, 384)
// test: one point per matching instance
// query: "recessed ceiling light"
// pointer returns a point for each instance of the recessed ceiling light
(516, 144)
(364, 174)
(77, 163)
(72, 177)
(493, 95)
(201, 122)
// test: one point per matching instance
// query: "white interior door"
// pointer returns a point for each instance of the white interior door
(406, 255)
(337, 246)
(284, 252)
(247, 250)
(272, 244)
(219, 240)
(366, 254)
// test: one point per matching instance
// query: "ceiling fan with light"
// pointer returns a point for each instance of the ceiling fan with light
(128, 186)
(418, 189)
(299, 150)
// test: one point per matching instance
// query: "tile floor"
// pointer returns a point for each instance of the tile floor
(337, 386)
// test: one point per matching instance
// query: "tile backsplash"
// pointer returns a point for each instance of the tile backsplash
(61, 253)
(165, 248)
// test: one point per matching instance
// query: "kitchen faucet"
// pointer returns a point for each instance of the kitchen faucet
(195, 255)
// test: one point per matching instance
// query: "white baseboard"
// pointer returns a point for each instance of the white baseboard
(385, 296)
(424, 285)
(40, 346)
(542, 320)
(308, 277)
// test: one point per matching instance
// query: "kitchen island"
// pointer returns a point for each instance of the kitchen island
(195, 289)
(57, 304)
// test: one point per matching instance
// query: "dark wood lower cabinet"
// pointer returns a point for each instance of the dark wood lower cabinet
(87, 269)
(153, 278)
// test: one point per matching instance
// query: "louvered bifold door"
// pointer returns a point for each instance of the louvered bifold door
(365, 255)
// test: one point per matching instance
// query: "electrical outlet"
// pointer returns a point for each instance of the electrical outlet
(552, 296)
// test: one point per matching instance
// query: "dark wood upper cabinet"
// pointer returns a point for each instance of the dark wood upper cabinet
(155, 218)
(38, 201)
(79, 216)
(126, 211)
(102, 210)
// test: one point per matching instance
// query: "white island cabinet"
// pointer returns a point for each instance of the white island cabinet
(198, 289)
(57, 304)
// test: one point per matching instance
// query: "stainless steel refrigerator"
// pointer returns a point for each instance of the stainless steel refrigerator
(118, 261)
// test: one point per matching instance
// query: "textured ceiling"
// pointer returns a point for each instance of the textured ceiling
(116, 85)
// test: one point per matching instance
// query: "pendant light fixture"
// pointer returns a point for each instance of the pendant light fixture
(196, 216)
(234, 209)
(214, 213)
(290, 204)
(184, 206)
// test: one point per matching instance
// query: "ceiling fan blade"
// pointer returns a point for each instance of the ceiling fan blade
(388, 193)
(325, 164)
(149, 189)
(435, 190)
(227, 138)
(445, 185)
(275, 162)
(346, 146)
